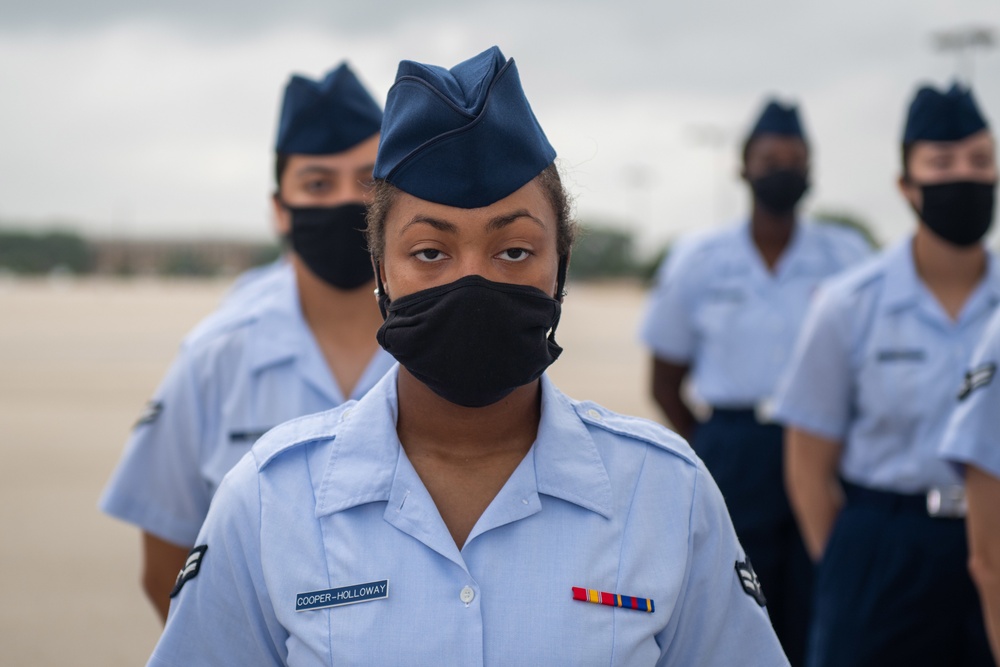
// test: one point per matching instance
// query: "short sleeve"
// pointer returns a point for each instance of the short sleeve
(667, 327)
(223, 615)
(815, 391)
(719, 619)
(158, 484)
(973, 433)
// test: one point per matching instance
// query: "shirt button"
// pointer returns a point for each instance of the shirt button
(467, 595)
(593, 414)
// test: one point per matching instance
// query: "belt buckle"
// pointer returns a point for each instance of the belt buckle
(947, 502)
(763, 411)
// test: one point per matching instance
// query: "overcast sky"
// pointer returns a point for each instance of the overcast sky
(153, 119)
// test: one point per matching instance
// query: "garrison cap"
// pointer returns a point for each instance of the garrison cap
(328, 116)
(463, 137)
(780, 119)
(937, 116)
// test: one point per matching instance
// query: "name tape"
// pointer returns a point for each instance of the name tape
(337, 597)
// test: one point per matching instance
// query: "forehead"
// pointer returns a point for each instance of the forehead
(530, 200)
(980, 141)
(777, 146)
(361, 156)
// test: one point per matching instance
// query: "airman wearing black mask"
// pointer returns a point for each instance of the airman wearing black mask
(727, 308)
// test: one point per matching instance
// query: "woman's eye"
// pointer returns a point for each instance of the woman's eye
(429, 255)
(514, 254)
(317, 186)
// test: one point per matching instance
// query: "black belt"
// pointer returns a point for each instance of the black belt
(936, 503)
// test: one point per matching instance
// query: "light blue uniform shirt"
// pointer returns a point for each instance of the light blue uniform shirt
(601, 501)
(718, 309)
(876, 369)
(973, 434)
(241, 372)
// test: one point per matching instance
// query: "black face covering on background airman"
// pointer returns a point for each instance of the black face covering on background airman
(331, 242)
(780, 190)
(472, 341)
(960, 212)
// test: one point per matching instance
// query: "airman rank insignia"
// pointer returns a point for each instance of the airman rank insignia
(750, 582)
(190, 570)
(979, 376)
(612, 599)
(150, 413)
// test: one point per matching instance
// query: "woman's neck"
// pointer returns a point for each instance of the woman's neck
(950, 272)
(771, 233)
(430, 426)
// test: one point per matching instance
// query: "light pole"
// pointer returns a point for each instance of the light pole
(963, 42)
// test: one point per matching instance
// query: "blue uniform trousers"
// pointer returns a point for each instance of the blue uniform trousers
(745, 458)
(893, 589)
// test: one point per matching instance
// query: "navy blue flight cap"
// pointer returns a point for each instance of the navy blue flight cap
(463, 137)
(778, 119)
(328, 116)
(937, 116)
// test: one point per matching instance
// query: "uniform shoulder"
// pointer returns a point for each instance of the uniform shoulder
(866, 276)
(294, 433)
(704, 241)
(238, 311)
(635, 429)
(223, 320)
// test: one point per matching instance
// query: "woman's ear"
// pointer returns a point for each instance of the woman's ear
(282, 216)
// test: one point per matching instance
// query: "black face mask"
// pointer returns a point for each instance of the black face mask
(331, 242)
(960, 212)
(780, 190)
(472, 341)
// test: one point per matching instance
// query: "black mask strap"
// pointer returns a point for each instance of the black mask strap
(380, 293)
(561, 277)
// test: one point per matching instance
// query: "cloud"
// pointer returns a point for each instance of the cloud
(157, 119)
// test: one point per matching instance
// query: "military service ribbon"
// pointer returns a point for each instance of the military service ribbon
(612, 599)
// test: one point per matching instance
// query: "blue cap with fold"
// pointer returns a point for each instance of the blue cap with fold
(328, 116)
(778, 119)
(463, 137)
(937, 116)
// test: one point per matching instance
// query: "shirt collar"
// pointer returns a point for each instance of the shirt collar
(904, 288)
(279, 322)
(803, 250)
(902, 285)
(366, 451)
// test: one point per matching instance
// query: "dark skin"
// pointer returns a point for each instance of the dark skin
(771, 233)
(464, 456)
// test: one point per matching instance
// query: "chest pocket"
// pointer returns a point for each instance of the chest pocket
(232, 443)
(720, 311)
(893, 385)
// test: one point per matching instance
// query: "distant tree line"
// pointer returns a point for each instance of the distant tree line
(603, 251)
(40, 253)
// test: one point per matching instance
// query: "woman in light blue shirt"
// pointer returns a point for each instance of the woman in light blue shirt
(725, 312)
(465, 512)
(290, 340)
(867, 398)
(973, 442)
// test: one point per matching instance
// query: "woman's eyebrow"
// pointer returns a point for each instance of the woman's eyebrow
(501, 221)
(440, 225)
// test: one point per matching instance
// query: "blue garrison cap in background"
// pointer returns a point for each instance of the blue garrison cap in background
(463, 137)
(937, 116)
(778, 119)
(328, 116)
